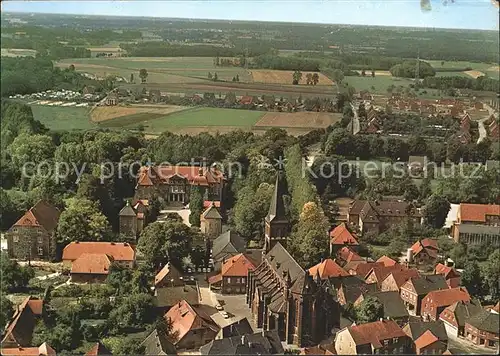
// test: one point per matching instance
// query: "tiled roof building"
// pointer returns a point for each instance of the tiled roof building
(42, 350)
(91, 268)
(283, 296)
(455, 316)
(122, 253)
(227, 245)
(32, 237)
(326, 269)
(19, 331)
(477, 224)
(436, 301)
(233, 277)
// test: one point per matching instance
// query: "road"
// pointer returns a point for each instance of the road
(355, 120)
(460, 346)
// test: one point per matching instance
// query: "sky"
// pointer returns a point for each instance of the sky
(464, 14)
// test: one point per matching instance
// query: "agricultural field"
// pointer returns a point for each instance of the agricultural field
(309, 120)
(63, 118)
(13, 52)
(284, 77)
(107, 113)
(377, 84)
(478, 69)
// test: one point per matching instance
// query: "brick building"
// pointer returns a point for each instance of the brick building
(132, 220)
(211, 222)
(327, 269)
(428, 337)
(451, 275)
(173, 183)
(122, 253)
(32, 237)
(415, 289)
(483, 329)
(19, 331)
(477, 224)
(379, 337)
(284, 297)
(425, 251)
(379, 215)
(455, 316)
(436, 301)
(91, 268)
(233, 277)
(340, 237)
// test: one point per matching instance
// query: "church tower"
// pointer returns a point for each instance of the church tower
(277, 222)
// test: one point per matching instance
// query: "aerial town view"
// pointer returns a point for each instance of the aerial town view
(266, 177)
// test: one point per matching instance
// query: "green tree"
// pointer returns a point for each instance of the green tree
(337, 76)
(196, 204)
(210, 76)
(14, 276)
(363, 73)
(309, 80)
(315, 78)
(309, 243)
(424, 191)
(82, 221)
(161, 242)
(216, 78)
(490, 274)
(471, 278)
(6, 309)
(143, 74)
(31, 148)
(134, 310)
(435, 211)
(373, 74)
(132, 79)
(296, 77)
(369, 310)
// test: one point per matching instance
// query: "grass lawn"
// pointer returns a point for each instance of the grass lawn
(63, 118)
(204, 117)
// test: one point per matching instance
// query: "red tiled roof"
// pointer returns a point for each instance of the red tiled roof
(98, 349)
(448, 272)
(119, 251)
(362, 269)
(215, 279)
(400, 277)
(348, 255)
(327, 268)
(207, 203)
(445, 297)
(164, 273)
(381, 272)
(387, 261)
(237, 266)
(246, 100)
(193, 174)
(36, 306)
(91, 263)
(184, 318)
(16, 330)
(478, 212)
(44, 349)
(429, 245)
(426, 339)
(373, 333)
(341, 236)
(41, 214)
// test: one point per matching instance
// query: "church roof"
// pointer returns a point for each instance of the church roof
(277, 209)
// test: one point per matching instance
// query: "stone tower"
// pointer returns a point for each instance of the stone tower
(128, 221)
(211, 222)
(277, 222)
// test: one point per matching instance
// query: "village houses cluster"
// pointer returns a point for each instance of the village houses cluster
(287, 306)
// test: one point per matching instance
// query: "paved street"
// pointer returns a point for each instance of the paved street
(460, 346)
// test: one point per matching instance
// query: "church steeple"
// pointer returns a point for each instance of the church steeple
(277, 222)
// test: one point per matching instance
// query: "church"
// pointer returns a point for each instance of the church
(281, 294)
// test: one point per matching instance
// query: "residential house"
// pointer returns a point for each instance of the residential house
(379, 215)
(351, 289)
(98, 349)
(387, 261)
(379, 273)
(380, 337)
(260, 343)
(277, 225)
(347, 258)
(227, 245)
(455, 316)
(233, 277)
(394, 308)
(121, 253)
(415, 289)
(42, 350)
(465, 122)
(192, 326)
(211, 222)
(111, 99)
(428, 337)
(91, 268)
(361, 268)
(464, 137)
(483, 329)
(477, 224)
(284, 297)
(132, 219)
(451, 275)
(32, 237)
(238, 328)
(395, 280)
(372, 127)
(169, 276)
(425, 251)
(19, 331)
(246, 100)
(436, 301)
(173, 183)
(326, 269)
(168, 297)
(158, 343)
(340, 237)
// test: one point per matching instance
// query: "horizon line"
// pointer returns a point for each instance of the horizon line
(249, 21)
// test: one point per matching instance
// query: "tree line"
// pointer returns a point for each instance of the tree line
(446, 82)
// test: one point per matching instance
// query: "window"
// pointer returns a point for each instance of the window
(40, 239)
(14, 230)
(228, 280)
(395, 340)
(243, 280)
(39, 232)
(40, 251)
(386, 342)
(237, 280)
(16, 238)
